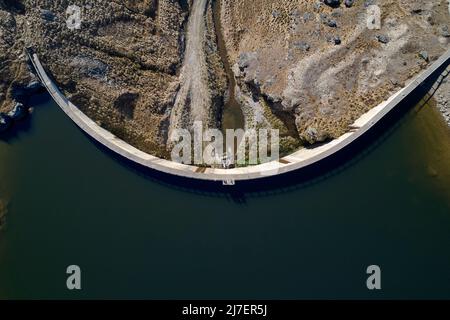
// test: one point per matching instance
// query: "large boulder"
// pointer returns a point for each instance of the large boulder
(246, 59)
(349, 3)
(333, 3)
(18, 112)
(5, 122)
(313, 135)
(383, 38)
(424, 55)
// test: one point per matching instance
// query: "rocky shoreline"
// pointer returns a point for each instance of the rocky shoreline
(20, 107)
(442, 97)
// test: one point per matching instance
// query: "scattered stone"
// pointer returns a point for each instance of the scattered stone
(296, 13)
(307, 16)
(269, 82)
(276, 13)
(331, 23)
(383, 39)
(302, 45)
(18, 112)
(47, 15)
(394, 81)
(245, 59)
(424, 55)
(445, 32)
(290, 56)
(337, 40)
(333, 3)
(417, 10)
(5, 122)
(391, 22)
(349, 3)
(313, 135)
(369, 3)
(89, 66)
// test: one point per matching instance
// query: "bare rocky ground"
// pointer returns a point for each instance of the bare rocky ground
(321, 64)
(143, 68)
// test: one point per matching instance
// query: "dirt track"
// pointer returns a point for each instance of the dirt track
(193, 98)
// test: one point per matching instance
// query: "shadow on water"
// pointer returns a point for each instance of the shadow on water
(302, 178)
(24, 125)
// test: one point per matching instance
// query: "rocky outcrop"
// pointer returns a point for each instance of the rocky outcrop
(5, 122)
(321, 61)
(18, 112)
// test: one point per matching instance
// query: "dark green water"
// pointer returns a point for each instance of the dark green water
(70, 203)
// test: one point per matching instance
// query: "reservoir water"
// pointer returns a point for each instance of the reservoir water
(69, 202)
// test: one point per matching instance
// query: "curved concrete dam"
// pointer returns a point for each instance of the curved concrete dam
(295, 161)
